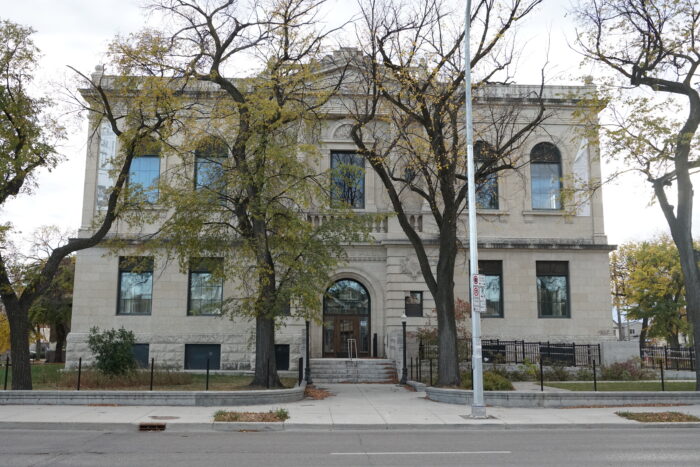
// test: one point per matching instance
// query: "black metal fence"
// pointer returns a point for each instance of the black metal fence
(673, 358)
(516, 352)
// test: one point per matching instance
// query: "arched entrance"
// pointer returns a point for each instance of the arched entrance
(346, 315)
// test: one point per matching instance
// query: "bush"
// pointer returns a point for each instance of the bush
(630, 370)
(556, 373)
(113, 350)
(492, 381)
(526, 372)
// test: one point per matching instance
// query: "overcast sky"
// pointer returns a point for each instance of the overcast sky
(76, 32)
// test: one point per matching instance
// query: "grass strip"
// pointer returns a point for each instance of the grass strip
(624, 385)
(278, 415)
(655, 417)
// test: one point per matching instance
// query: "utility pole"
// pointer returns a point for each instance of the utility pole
(478, 407)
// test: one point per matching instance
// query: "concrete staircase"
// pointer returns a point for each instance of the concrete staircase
(345, 370)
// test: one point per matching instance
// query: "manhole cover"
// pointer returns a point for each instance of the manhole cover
(163, 417)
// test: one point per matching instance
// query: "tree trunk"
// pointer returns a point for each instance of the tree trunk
(265, 363)
(61, 333)
(692, 305)
(19, 351)
(643, 334)
(448, 358)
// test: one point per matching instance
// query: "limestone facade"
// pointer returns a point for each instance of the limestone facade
(514, 234)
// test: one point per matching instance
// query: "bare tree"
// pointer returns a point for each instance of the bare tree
(653, 48)
(409, 123)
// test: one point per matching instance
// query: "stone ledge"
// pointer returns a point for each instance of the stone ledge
(563, 399)
(155, 398)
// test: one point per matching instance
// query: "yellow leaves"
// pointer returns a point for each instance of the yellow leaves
(4, 333)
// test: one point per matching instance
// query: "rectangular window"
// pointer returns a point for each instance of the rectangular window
(206, 287)
(348, 179)
(140, 352)
(282, 356)
(414, 304)
(196, 356)
(135, 285)
(487, 193)
(144, 175)
(553, 289)
(493, 275)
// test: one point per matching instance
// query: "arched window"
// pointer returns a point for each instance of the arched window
(144, 172)
(346, 319)
(208, 163)
(486, 187)
(545, 172)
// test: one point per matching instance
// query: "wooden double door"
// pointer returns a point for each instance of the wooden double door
(343, 334)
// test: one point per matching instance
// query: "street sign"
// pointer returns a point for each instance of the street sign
(478, 293)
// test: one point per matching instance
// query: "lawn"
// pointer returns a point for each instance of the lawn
(50, 376)
(625, 385)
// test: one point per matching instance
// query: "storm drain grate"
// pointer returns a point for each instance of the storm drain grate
(152, 427)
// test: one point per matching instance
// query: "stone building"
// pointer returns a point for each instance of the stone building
(546, 263)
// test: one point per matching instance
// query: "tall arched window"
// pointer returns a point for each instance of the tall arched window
(545, 172)
(144, 172)
(208, 165)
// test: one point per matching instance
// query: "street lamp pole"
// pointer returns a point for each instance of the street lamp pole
(478, 408)
(404, 370)
(307, 370)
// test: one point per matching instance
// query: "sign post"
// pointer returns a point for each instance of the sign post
(478, 407)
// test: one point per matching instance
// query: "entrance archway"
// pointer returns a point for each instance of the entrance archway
(346, 315)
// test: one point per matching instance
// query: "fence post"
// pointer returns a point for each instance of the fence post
(665, 356)
(595, 378)
(431, 371)
(600, 361)
(541, 376)
(663, 386)
(80, 369)
(412, 369)
(206, 387)
(301, 369)
(7, 367)
(153, 360)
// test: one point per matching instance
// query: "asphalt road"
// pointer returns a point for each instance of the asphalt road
(564, 447)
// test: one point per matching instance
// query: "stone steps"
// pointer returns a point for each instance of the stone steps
(345, 370)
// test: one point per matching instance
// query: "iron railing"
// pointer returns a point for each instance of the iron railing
(673, 358)
(498, 351)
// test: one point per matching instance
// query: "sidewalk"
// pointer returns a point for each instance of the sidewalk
(354, 407)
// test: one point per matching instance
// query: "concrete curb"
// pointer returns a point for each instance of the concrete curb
(154, 398)
(280, 426)
(523, 399)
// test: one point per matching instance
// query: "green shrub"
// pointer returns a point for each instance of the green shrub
(113, 350)
(630, 370)
(556, 372)
(492, 381)
(584, 374)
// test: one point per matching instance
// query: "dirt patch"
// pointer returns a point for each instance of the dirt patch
(315, 393)
(278, 415)
(622, 405)
(664, 417)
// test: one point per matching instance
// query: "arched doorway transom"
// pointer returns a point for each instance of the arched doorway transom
(346, 316)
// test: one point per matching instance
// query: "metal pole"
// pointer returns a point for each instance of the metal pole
(430, 374)
(663, 386)
(478, 408)
(541, 375)
(206, 387)
(80, 369)
(307, 374)
(404, 370)
(7, 368)
(595, 378)
(153, 360)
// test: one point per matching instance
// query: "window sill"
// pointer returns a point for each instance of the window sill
(554, 317)
(545, 212)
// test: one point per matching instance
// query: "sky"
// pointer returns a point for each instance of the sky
(76, 33)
